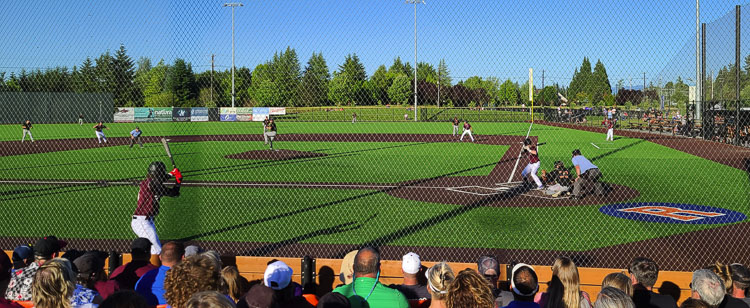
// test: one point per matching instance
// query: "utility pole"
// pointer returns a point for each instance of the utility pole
(698, 77)
(233, 5)
(644, 86)
(438, 86)
(415, 2)
(212, 78)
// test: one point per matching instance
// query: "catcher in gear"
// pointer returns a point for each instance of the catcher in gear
(150, 193)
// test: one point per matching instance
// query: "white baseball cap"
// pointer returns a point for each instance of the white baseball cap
(278, 275)
(411, 263)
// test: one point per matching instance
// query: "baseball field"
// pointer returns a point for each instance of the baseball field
(400, 185)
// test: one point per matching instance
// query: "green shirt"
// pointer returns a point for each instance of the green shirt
(382, 296)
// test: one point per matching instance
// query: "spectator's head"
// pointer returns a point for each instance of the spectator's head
(740, 277)
(48, 247)
(489, 268)
(439, 278)
(611, 297)
(347, 267)
(723, 272)
(564, 269)
(171, 253)
(23, 255)
(124, 299)
(644, 271)
(210, 299)
(194, 274)
(259, 296)
(619, 281)
(5, 266)
(707, 287)
(90, 268)
(334, 300)
(367, 263)
(524, 282)
(192, 250)
(469, 289)
(410, 265)
(278, 275)
(576, 152)
(694, 303)
(140, 249)
(236, 284)
(53, 284)
(215, 256)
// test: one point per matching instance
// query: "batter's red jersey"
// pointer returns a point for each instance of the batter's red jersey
(533, 158)
(149, 195)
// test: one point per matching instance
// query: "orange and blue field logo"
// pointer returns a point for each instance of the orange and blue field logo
(674, 213)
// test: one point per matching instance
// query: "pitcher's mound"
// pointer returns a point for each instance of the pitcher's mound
(275, 155)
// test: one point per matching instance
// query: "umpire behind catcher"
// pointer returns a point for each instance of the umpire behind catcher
(149, 195)
(588, 175)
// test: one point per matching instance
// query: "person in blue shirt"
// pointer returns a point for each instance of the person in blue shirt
(588, 175)
(135, 135)
(151, 284)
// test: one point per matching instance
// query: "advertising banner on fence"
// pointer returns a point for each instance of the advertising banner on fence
(162, 114)
(244, 114)
(199, 114)
(227, 114)
(277, 111)
(180, 114)
(144, 114)
(124, 115)
(153, 114)
(260, 113)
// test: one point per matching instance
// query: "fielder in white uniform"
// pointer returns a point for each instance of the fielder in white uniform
(26, 126)
(610, 130)
(100, 133)
(467, 130)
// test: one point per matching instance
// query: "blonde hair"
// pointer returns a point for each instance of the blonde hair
(439, 278)
(619, 281)
(237, 285)
(194, 274)
(53, 284)
(209, 299)
(567, 272)
(469, 289)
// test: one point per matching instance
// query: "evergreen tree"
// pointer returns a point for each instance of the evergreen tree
(379, 84)
(400, 91)
(181, 83)
(348, 84)
(313, 89)
(425, 72)
(87, 80)
(509, 93)
(286, 75)
(600, 82)
(444, 74)
(122, 84)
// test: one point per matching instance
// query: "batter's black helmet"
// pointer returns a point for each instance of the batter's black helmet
(157, 168)
(527, 141)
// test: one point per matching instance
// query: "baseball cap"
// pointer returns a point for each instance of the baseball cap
(21, 254)
(141, 244)
(48, 245)
(513, 279)
(411, 263)
(278, 275)
(347, 267)
(192, 250)
(488, 265)
(88, 263)
(576, 152)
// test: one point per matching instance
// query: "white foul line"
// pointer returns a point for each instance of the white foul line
(595, 145)
(225, 184)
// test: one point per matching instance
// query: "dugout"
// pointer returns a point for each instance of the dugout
(55, 107)
(726, 121)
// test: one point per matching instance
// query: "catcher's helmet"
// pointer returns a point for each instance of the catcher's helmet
(559, 165)
(157, 168)
(527, 141)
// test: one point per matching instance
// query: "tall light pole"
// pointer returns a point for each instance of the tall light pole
(232, 5)
(415, 2)
(698, 78)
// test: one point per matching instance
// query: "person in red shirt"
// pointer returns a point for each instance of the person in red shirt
(149, 195)
(467, 130)
(531, 168)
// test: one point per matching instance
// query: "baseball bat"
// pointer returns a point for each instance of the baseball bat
(169, 153)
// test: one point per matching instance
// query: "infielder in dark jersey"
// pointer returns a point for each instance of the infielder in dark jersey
(455, 126)
(26, 126)
(99, 129)
(149, 194)
(265, 124)
(467, 130)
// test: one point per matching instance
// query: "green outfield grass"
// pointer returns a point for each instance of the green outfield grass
(351, 216)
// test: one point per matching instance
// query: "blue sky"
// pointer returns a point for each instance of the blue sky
(485, 38)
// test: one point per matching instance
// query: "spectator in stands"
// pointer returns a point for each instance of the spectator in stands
(469, 289)
(439, 278)
(644, 272)
(259, 296)
(708, 287)
(524, 284)
(740, 282)
(54, 286)
(216, 258)
(91, 273)
(192, 275)
(278, 277)
(411, 288)
(365, 290)
(237, 285)
(489, 268)
(45, 249)
(725, 275)
(128, 274)
(124, 299)
(192, 250)
(334, 300)
(346, 273)
(619, 281)
(22, 257)
(564, 289)
(694, 303)
(5, 269)
(151, 284)
(611, 297)
(210, 299)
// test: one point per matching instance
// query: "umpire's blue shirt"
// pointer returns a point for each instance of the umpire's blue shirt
(135, 133)
(583, 163)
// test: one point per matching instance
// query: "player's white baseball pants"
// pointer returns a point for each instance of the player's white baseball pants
(531, 169)
(455, 130)
(143, 226)
(26, 131)
(100, 136)
(611, 134)
(466, 131)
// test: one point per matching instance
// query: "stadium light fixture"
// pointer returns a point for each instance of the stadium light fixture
(415, 2)
(233, 5)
